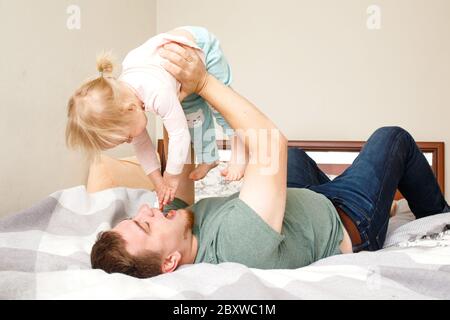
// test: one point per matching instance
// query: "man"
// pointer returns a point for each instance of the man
(283, 218)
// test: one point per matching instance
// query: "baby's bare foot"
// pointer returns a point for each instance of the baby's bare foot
(202, 170)
(234, 172)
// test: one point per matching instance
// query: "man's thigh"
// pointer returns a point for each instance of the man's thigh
(367, 188)
(303, 171)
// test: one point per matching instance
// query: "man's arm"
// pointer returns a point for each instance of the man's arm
(264, 188)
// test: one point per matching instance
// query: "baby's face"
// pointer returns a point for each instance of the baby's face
(139, 123)
(135, 107)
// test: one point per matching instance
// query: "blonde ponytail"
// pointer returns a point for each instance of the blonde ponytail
(96, 120)
(105, 64)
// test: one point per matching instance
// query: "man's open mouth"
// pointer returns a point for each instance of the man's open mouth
(171, 214)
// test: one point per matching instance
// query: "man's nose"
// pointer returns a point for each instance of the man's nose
(157, 213)
(145, 211)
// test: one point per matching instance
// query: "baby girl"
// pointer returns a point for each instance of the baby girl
(109, 111)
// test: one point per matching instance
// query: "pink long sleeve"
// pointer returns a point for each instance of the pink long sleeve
(146, 152)
(169, 108)
(158, 89)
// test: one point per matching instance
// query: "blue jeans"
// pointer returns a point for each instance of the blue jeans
(390, 160)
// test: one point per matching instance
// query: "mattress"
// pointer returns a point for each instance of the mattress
(45, 250)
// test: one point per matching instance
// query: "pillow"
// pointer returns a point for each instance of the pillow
(402, 215)
(107, 173)
(213, 185)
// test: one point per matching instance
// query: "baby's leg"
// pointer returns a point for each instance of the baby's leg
(206, 151)
(203, 135)
(238, 162)
(218, 66)
(202, 170)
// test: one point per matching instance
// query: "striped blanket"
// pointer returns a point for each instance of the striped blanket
(45, 255)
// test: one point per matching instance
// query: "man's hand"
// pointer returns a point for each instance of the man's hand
(186, 66)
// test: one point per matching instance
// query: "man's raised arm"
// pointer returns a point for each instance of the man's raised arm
(264, 188)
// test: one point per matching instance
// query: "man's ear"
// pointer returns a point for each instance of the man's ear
(171, 262)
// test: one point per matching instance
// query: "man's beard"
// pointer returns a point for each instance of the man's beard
(190, 220)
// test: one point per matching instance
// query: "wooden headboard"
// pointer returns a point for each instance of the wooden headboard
(435, 150)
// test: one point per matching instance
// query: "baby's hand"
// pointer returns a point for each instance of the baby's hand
(167, 189)
(165, 194)
(171, 180)
(163, 190)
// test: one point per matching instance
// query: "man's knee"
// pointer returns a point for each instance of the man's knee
(392, 132)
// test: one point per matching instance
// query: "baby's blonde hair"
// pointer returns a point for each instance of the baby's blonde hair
(97, 120)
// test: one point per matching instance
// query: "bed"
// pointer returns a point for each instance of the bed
(45, 251)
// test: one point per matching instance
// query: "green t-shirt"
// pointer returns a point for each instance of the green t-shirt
(228, 230)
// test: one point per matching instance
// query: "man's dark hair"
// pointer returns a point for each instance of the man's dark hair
(110, 255)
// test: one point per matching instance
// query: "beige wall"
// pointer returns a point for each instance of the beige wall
(319, 73)
(313, 59)
(41, 64)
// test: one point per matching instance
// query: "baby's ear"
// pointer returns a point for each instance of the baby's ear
(129, 107)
